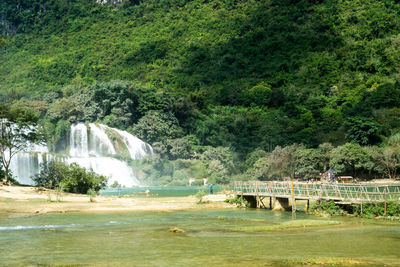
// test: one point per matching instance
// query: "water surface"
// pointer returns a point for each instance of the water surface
(161, 191)
(143, 239)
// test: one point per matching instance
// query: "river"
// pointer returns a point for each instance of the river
(211, 237)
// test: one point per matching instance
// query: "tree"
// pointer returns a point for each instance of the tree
(75, 179)
(389, 158)
(325, 150)
(308, 163)
(217, 172)
(394, 140)
(253, 157)
(363, 131)
(179, 148)
(282, 161)
(261, 169)
(259, 95)
(156, 126)
(221, 154)
(348, 158)
(18, 131)
(64, 109)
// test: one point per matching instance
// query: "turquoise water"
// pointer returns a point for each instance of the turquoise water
(143, 239)
(162, 191)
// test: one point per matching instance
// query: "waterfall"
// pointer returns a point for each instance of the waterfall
(100, 144)
(91, 146)
(78, 141)
(24, 165)
(136, 147)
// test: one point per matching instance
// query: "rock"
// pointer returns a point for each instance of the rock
(176, 230)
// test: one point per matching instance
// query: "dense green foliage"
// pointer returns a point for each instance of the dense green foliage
(237, 201)
(369, 210)
(246, 79)
(71, 178)
(326, 208)
(348, 159)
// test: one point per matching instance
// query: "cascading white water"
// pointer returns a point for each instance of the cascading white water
(91, 147)
(78, 141)
(136, 147)
(99, 141)
(24, 165)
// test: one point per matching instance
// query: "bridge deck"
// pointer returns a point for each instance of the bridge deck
(320, 191)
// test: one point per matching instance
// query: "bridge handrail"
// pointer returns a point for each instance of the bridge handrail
(318, 190)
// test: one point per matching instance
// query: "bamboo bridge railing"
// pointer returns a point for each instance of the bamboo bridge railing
(320, 191)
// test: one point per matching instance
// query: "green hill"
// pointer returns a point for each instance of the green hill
(223, 47)
(233, 73)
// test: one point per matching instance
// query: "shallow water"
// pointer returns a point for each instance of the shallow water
(161, 191)
(143, 239)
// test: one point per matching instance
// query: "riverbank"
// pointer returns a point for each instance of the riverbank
(32, 200)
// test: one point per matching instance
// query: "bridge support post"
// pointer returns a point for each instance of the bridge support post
(293, 205)
(241, 196)
(384, 212)
(281, 204)
(293, 200)
(270, 203)
(257, 197)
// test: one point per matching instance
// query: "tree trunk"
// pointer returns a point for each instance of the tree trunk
(5, 180)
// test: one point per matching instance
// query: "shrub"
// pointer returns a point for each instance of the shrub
(371, 210)
(200, 194)
(235, 200)
(92, 194)
(326, 208)
(73, 178)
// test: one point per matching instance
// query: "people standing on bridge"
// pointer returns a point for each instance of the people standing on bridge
(211, 189)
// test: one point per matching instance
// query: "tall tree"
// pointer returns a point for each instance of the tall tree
(282, 161)
(349, 158)
(17, 132)
(390, 160)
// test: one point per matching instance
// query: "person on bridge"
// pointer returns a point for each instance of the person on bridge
(211, 189)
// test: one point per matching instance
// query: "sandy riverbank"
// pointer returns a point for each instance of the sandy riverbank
(31, 200)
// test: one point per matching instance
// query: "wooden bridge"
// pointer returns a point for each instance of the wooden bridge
(281, 192)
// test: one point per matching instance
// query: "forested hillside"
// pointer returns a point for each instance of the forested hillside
(227, 82)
